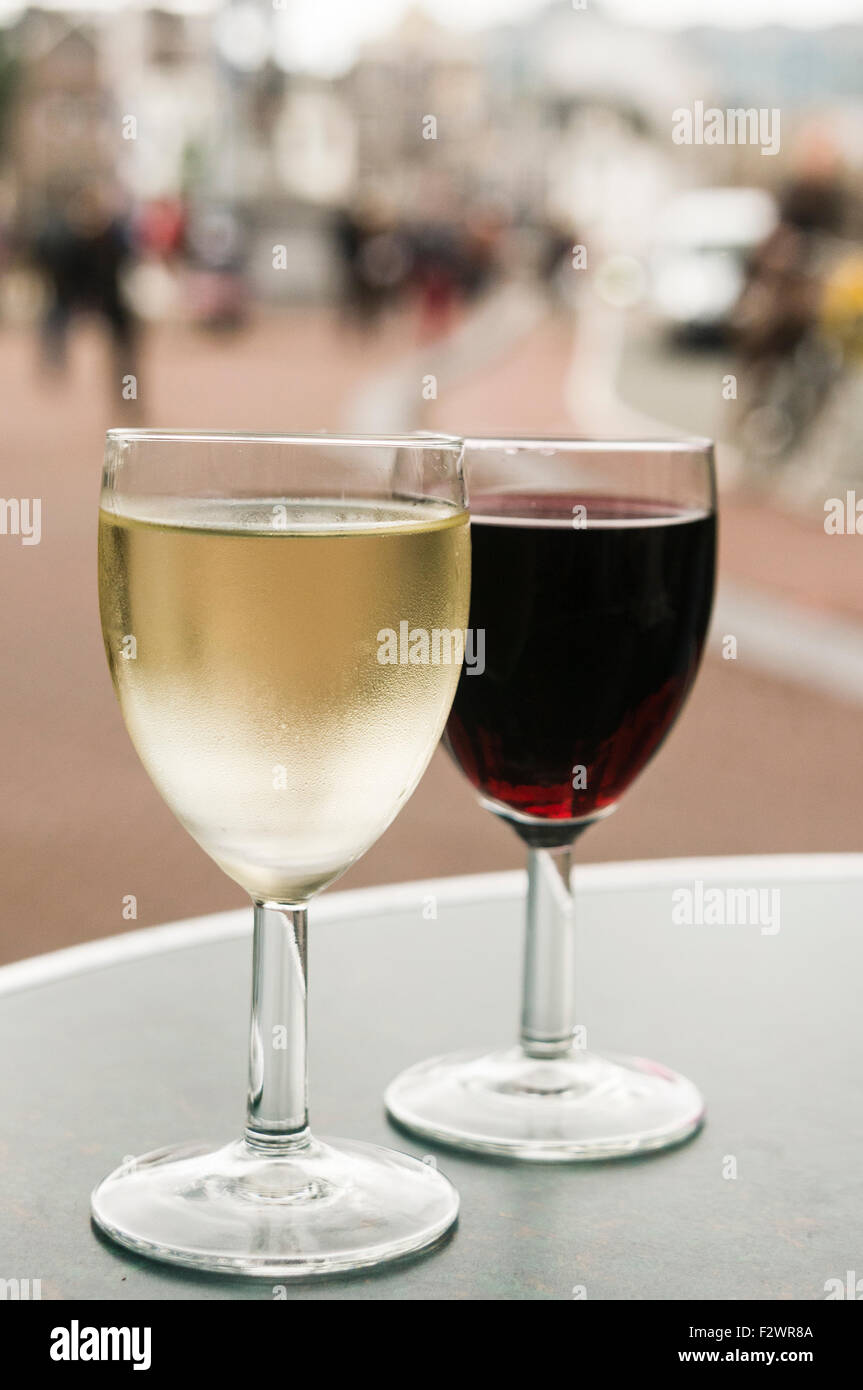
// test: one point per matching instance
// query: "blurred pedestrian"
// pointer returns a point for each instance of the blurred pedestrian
(376, 258)
(789, 366)
(437, 279)
(82, 248)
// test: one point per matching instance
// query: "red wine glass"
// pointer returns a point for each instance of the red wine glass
(593, 576)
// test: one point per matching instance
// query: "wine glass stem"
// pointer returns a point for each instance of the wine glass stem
(548, 1008)
(278, 1117)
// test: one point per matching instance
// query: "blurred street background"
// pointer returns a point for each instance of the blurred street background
(307, 214)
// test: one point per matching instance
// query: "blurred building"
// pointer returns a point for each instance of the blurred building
(562, 118)
(59, 127)
(160, 71)
(421, 105)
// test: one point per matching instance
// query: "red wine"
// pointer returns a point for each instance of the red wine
(595, 611)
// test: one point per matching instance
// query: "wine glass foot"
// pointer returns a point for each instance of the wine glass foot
(324, 1208)
(580, 1106)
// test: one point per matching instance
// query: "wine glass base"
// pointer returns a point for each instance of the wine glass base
(577, 1107)
(324, 1208)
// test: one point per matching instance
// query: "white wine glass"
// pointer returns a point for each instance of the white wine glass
(249, 586)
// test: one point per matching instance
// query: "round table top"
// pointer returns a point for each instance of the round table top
(121, 1046)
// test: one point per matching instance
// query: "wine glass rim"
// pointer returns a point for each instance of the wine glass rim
(184, 436)
(592, 444)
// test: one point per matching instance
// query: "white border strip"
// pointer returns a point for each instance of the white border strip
(397, 897)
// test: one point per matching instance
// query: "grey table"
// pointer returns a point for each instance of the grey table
(121, 1046)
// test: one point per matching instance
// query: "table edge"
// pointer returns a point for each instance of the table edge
(394, 897)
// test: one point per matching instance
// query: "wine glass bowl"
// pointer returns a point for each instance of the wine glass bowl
(593, 575)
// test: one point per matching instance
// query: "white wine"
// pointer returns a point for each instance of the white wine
(243, 638)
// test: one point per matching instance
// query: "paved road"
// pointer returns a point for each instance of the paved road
(757, 763)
